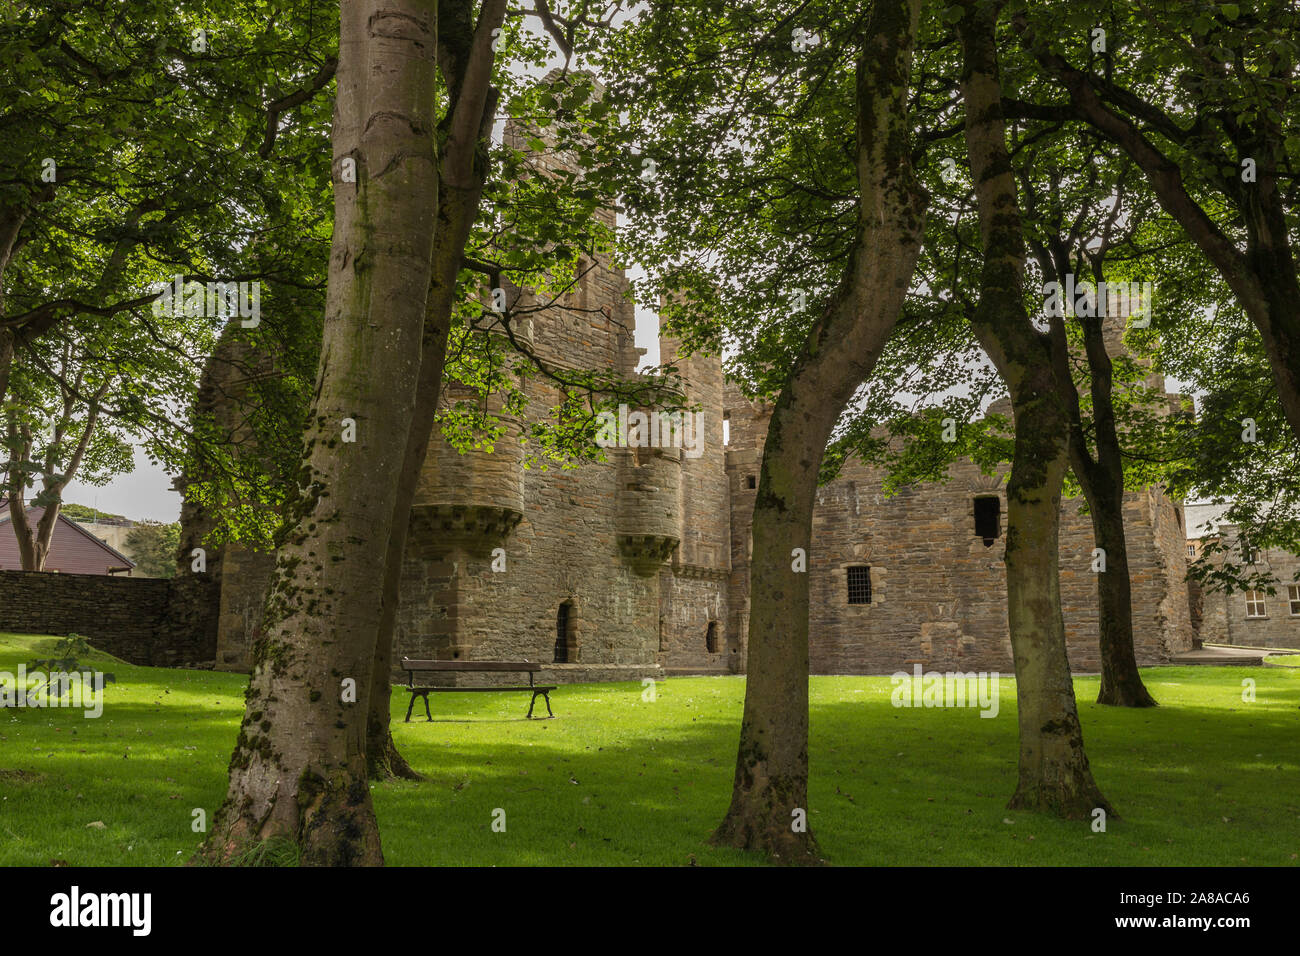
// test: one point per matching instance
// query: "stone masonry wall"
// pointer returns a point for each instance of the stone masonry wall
(1226, 619)
(694, 598)
(939, 593)
(148, 621)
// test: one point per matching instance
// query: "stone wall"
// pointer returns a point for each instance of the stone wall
(938, 592)
(148, 621)
(696, 633)
(1226, 619)
(246, 578)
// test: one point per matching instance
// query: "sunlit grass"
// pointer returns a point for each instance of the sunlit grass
(1204, 779)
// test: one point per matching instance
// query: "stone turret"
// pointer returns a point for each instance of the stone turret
(649, 485)
(747, 423)
(474, 499)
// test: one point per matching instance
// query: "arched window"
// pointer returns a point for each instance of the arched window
(563, 632)
(711, 637)
(988, 519)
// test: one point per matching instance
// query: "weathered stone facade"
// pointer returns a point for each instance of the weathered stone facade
(1255, 618)
(938, 590)
(165, 622)
(638, 565)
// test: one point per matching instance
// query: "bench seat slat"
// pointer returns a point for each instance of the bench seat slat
(470, 666)
(470, 690)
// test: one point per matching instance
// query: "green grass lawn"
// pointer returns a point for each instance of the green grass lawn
(1286, 660)
(1204, 779)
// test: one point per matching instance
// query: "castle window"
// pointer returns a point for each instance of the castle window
(563, 632)
(1255, 604)
(1249, 554)
(726, 428)
(751, 481)
(1293, 598)
(1191, 550)
(711, 638)
(988, 519)
(859, 579)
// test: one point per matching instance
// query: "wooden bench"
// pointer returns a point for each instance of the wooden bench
(460, 667)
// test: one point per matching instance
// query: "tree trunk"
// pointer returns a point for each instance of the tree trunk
(462, 170)
(6, 353)
(11, 221)
(769, 804)
(1121, 683)
(1103, 486)
(1053, 768)
(298, 781)
(28, 556)
(456, 216)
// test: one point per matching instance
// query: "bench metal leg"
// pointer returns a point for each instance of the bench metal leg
(409, 707)
(427, 716)
(546, 697)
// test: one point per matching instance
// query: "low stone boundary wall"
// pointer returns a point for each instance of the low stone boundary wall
(149, 621)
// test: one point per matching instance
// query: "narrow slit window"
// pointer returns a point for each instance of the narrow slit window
(751, 482)
(988, 519)
(711, 638)
(562, 633)
(859, 579)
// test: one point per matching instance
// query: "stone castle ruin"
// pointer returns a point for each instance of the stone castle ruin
(638, 566)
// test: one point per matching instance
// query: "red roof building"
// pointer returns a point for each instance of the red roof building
(73, 549)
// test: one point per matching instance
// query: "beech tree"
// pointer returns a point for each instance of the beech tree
(465, 57)
(1071, 249)
(847, 207)
(129, 161)
(1198, 94)
(298, 773)
(1054, 774)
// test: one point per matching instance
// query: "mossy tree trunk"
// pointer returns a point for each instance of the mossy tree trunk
(11, 221)
(1102, 479)
(298, 774)
(1054, 775)
(770, 791)
(466, 58)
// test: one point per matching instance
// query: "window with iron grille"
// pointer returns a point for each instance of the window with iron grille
(859, 585)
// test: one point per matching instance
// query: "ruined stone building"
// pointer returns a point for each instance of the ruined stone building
(637, 566)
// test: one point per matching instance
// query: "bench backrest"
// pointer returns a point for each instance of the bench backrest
(410, 665)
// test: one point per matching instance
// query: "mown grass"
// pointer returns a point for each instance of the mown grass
(1205, 779)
